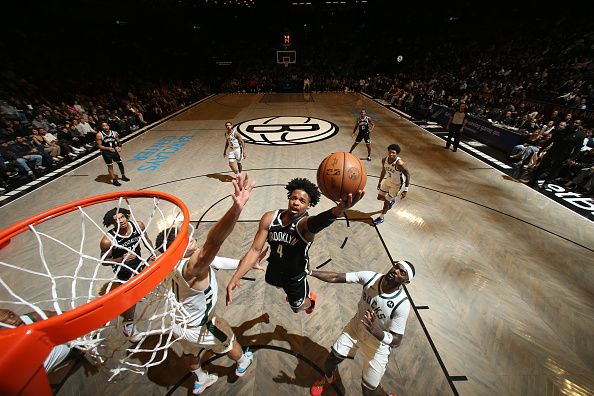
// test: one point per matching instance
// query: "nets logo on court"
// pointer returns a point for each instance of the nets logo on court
(284, 131)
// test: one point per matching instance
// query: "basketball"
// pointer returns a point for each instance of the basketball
(340, 174)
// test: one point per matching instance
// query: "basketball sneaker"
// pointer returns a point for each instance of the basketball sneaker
(200, 387)
(318, 387)
(313, 297)
(124, 178)
(248, 358)
(116, 183)
(369, 158)
(378, 221)
(130, 331)
(391, 203)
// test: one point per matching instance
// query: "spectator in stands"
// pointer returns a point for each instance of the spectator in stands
(564, 143)
(19, 158)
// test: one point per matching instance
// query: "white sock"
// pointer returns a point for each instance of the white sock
(242, 359)
(201, 375)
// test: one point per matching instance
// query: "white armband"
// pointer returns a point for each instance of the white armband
(388, 338)
(225, 263)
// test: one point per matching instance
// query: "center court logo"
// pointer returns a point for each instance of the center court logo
(285, 131)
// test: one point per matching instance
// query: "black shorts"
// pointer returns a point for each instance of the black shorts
(363, 136)
(296, 287)
(124, 273)
(110, 157)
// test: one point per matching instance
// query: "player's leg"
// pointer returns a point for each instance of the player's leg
(457, 135)
(299, 296)
(386, 194)
(192, 354)
(112, 176)
(353, 146)
(368, 144)
(122, 170)
(449, 138)
(344, 347)
(233, 162)
(223, 341)
(358, 140)
(376, 359)
(239, 157)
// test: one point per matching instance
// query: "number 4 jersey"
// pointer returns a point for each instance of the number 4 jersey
(288, 257)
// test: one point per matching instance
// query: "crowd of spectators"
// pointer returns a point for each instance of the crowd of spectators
(513, 66)
(39, 133)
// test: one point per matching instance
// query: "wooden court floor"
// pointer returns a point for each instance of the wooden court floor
(504, 292)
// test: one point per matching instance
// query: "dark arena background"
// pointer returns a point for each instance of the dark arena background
(499, 226)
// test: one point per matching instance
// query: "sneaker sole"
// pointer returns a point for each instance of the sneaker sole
(204, 387)
(241, 374)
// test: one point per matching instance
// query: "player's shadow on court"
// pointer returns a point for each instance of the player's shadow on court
(361, 217)
(224, 178)
(103, 179)
(309, 354)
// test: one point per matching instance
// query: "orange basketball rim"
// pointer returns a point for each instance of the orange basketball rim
(25, 348)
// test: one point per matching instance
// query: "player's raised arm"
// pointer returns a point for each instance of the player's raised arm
(204, 256)
(252, 256)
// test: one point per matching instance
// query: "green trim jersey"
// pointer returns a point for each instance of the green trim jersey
(198, 304)
(393, 174)
(391, 310)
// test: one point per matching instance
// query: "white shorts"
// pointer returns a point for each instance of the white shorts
(216, 336)
(55, 357)
(389, 190)
(375, 352)
(235, 155)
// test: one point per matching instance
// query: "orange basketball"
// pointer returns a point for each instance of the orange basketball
(340, 174)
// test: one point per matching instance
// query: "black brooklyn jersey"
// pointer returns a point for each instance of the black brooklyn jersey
(109, 140)
(288, 250)
(131, 242)
(364, 124)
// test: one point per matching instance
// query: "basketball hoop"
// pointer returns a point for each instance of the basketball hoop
(286, 62)
(73, 283)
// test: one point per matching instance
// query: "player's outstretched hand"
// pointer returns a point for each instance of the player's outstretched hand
(242, 189)
(257, 264)
(230, 287)
(351, 200)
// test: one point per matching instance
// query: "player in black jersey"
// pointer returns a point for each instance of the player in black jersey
(365, 125)
(109, 143)
(128, 236)
(290, 233)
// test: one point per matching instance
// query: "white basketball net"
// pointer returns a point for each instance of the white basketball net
(40, 272)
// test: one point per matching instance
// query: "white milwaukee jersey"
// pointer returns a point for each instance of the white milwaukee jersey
(232, 138)
(197, 304)
(391, 310)
(392, 173)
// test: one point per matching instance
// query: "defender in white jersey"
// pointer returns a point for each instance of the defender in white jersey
(377, 326)
(234, 148)
(195, 286)
(394, 180)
